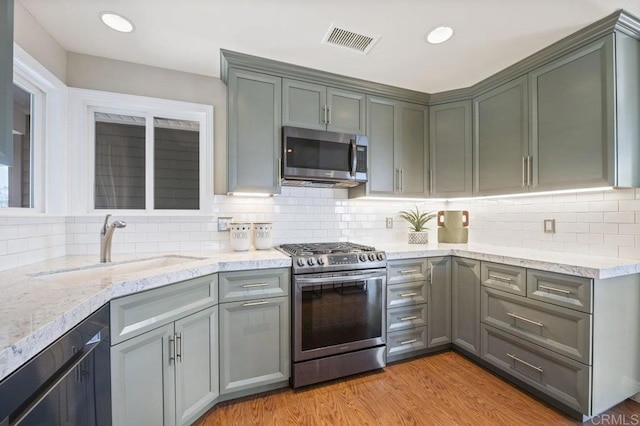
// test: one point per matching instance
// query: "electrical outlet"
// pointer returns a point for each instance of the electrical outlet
(549, 226)
(389, 222)
(223, 223)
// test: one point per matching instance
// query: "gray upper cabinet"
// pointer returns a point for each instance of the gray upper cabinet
(398, 153)
(501, 139)
(314, 106)
(254, 131)
(465, 295)
(572, 119)
(6, 82)
(450, 145)
(439, 301)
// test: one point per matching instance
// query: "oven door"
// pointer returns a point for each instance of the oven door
(338, 312)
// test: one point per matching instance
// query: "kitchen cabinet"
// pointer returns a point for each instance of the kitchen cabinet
(501, 139)
(315, 106)
(465, 294)
(6, 82)
(450, 145)
(398, 154)
(254, 132)
(254, 331)
(439, 301)
(166, 372)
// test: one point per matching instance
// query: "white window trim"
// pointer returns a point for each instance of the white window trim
(48, 136)
(82, 105)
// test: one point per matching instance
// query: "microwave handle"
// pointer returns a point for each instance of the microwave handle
(354, 157)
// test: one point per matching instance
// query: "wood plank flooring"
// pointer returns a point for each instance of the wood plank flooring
(442, 389)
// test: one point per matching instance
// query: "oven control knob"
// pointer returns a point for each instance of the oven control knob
(301, 262)
(380, 256)
(372, 256)
(321, 261)
(363, 257)
(311, 261)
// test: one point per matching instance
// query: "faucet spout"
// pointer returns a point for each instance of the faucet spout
(106, 235)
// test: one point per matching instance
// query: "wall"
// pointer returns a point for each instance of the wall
(25, 240)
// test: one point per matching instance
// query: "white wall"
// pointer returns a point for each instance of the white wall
(25, 240)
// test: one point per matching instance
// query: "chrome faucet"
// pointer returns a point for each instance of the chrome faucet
(106, 234)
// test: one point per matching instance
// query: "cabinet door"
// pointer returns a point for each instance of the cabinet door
(383, 134)
(439, 303)
(6, 82)
(304, 105)
(254, 132)
(196, 364)
(347, 111)
(254, 344)
(143, 379)
(572, 119)
(411, 150)
(501, 139)
(466, 304)
(450, 144)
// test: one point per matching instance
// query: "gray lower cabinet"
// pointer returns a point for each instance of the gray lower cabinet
(465, 306)
(501, 139)
(253, 131)
(450, 143)
(314, 106)
(254, 344)
(6, 82)
(439, 301)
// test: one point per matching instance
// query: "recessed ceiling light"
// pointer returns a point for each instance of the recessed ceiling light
(117, 22)
(439, 35)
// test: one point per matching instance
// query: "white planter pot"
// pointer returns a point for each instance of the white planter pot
(240, 236)
(421, 237)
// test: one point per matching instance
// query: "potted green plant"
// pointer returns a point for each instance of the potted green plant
(418, 220)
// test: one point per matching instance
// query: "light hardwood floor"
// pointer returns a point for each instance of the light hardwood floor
(442, 389)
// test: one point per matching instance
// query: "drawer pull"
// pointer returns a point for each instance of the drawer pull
(255, 285)
(261, 302)
(499, 278)
(409, 271)
(557, 290)
(409, 294)
(407, 342)
(539, 324)
(515, 358)
(408, 318)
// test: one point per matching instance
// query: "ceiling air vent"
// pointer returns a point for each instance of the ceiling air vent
(362, 43)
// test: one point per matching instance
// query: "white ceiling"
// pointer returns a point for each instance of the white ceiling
(187, 35)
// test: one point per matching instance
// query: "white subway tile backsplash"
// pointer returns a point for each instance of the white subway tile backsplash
(604, 206)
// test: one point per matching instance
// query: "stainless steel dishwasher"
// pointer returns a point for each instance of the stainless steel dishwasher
(68, 383)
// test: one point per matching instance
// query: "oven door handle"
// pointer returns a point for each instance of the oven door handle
(303, 282)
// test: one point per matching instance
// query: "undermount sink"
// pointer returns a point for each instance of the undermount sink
(110, 270)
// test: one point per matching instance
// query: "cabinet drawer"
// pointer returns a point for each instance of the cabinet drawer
(406, 317)
(560, 289)
(562, 378)
(402, 271)
(144, 311)
(407, 294)
(256, 284)
(401, 342)
(504, 277)
(562, 330)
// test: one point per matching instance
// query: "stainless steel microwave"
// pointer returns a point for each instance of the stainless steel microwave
(321, 158)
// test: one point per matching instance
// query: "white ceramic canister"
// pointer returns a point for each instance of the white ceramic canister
(263, 235)
(240, 236)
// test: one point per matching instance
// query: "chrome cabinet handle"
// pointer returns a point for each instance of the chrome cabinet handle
(408, 318)
(329, 112)
(499, 278)
(431, 181)
(172, 345)
(396, 184)
(255, 285)
(408, 271)
(515, 358)
(529, 163)
(557, 290)
(401, 180)
(179, 346)
(430, 277)
(406, 342)
(409, 294)
(261, 302)
(279, 171)
(324, 108)
(539, 324)
(524, 174)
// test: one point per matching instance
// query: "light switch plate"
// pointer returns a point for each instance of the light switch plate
(223, 223)
(549, 226)
(389, 222)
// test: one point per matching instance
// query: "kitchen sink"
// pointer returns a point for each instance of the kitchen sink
(110, 270)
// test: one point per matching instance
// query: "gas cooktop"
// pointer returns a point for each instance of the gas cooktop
(324, 248)
(328, 257)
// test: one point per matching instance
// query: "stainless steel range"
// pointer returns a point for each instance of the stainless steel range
(338, 312)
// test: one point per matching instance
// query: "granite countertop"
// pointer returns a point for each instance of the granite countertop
(37, 309)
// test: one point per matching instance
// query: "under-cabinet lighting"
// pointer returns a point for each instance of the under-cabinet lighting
(117, 22)
(250, 194)
(415, 200)
(439, 35)
(536, 194)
